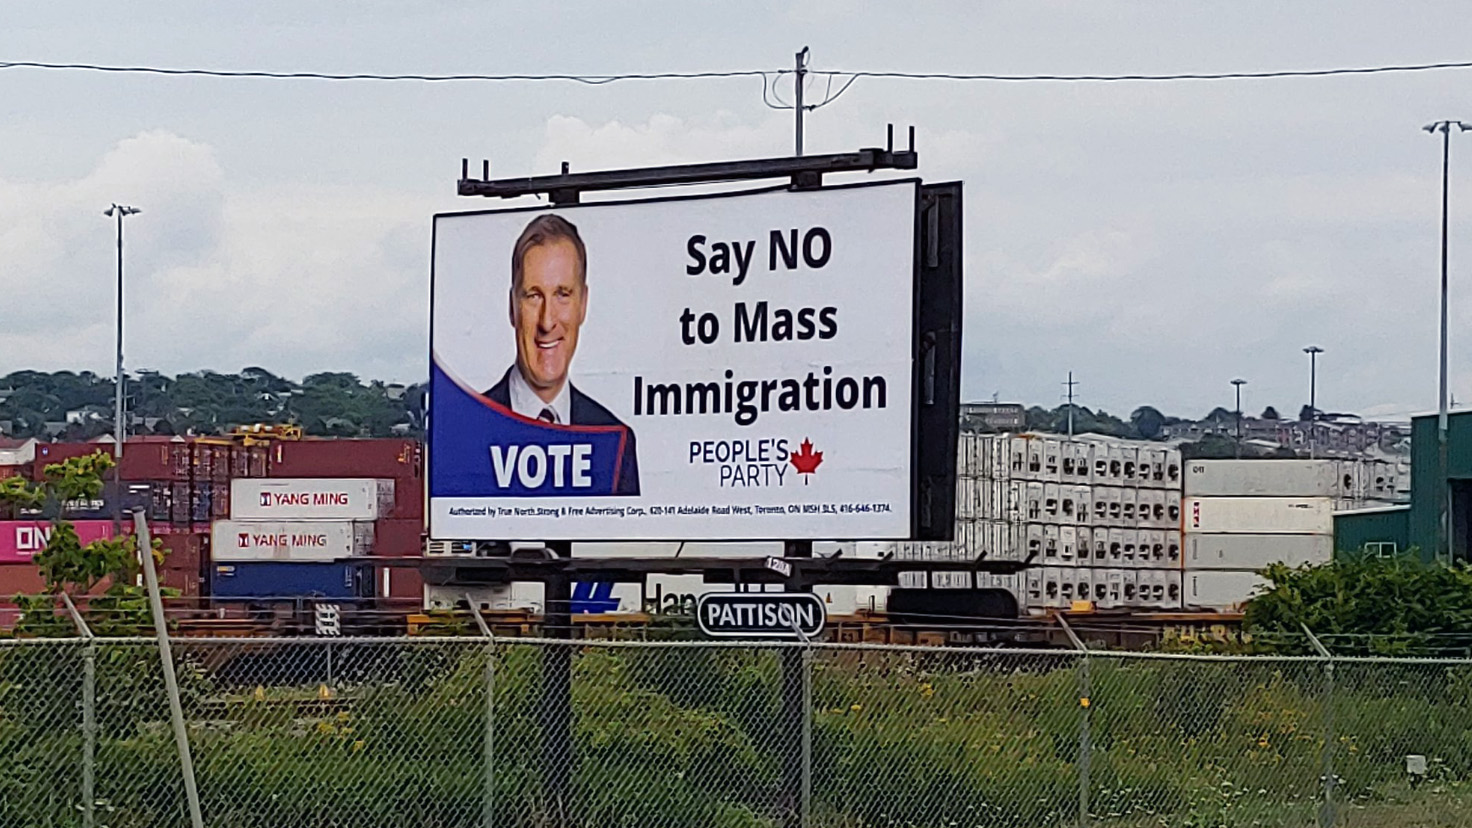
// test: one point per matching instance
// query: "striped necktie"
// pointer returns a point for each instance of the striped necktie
(548, 415)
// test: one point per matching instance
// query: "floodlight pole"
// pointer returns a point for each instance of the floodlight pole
(1443, 524)
(120, 211)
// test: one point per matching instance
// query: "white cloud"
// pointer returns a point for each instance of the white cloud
(298, 279)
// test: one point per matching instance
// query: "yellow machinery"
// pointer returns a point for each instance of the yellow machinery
(263, 434)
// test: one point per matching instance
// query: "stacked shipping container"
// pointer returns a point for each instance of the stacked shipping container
(180, 483)
(1244, 515)
(296, 537)
(399, 530)
(1098, 520)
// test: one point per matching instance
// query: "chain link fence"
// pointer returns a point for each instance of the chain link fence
(467, 731)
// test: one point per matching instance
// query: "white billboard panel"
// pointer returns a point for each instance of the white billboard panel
(732, 367)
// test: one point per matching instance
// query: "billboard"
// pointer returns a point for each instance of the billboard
(734, 367)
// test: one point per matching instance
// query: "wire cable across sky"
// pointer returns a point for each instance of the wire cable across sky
(600, 79)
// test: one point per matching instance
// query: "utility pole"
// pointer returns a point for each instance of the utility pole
(802, 74)
(1313, 352)
(1443, 525)
(1239, 383)
(118, 430)
(1070, 385)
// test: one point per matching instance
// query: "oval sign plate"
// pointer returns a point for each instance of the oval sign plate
(761, 614)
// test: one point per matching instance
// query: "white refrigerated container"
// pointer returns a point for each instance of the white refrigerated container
(1269, 478)
(1260, 515)
(310, 498)
(1221, 589)
(239, 541)
(1254, 552)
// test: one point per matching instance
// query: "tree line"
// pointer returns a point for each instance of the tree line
(67, 405)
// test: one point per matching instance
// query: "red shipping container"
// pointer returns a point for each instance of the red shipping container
(155, 458)
(48, 453)
(184, 551)
(409, 498)
(406, 584)
(396, 458)
(398, 538)
(187, 581)
(248, 461)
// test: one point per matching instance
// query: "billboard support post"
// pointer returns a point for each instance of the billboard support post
(795, 767)
(557, 747)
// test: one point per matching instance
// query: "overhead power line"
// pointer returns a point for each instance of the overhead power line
(599, 79)
(1180, 76)
(594, 80)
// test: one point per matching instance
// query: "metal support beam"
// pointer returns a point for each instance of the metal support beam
(488, 747)
(171, 681)
(89, 714)
(844, 571)
(806, 170)
(1326, 807)
(1085, 728)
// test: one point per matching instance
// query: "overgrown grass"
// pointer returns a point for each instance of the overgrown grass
(698, 737)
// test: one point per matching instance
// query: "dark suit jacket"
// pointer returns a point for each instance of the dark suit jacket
(585, 411)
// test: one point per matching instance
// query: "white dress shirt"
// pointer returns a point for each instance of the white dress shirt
(524, 400)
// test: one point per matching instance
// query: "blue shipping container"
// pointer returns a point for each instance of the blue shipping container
(275, 579)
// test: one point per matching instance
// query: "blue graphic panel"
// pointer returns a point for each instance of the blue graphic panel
(480, 449)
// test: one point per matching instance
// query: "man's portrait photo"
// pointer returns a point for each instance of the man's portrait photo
(548, 304)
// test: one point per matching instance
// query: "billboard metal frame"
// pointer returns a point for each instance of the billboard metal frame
(935, 376)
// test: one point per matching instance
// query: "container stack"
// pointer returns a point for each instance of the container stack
(398, 531)
(1097, 518)
(298, 537)
(1244, 515)
(181, 484)
(1102, 522)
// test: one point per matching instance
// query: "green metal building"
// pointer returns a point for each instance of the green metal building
(1412, 528)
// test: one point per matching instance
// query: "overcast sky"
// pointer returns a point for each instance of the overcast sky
(1158, 239)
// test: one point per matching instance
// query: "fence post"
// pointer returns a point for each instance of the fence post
(89, 714)
(171, 681)
(806, 801)
(1085, 734)
(1326, 810)
(488, 783)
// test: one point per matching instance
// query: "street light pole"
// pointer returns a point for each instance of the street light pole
(1313, 352)
(118, 430)
(1443, 524)
(1239, 383)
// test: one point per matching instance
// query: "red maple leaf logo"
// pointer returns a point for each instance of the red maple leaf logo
(806, 461)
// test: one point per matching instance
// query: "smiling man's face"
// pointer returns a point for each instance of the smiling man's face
(547, 309)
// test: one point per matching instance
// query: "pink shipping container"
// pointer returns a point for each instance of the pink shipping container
(21, 539)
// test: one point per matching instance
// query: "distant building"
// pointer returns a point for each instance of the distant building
(1332, 435)
(994, 416)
